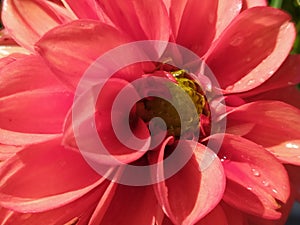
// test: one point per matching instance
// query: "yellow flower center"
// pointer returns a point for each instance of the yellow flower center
(149, 108)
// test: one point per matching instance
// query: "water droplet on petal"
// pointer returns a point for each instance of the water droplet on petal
(291, 145)
(223, 158)
(266, 183)
(275, 191)
(249, 188)
(255, 172)
(250, 82)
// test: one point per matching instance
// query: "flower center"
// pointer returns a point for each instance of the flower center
(187, 123)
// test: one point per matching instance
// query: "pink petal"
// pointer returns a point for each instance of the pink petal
(142, 20)
(84, 9)
(45, 177)
(7, 151)
(193, 23)
(7, 50)
(249, 178)
(289, 95)
(78, 45)
(78, 211)
(190, 194)
(102, 118)
(5, 38)
(251, 49)
(34, 111)
(30, 73)
(275, 126)
(131, 205)
(8, 137)
(32, 101)
(253, 3)
(26, 21)
(227, 11)
(287, 75)
(9, 59)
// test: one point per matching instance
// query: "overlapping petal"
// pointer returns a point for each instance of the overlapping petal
(194, 29)
(253, 3)
(83, 9)
(25, 84)
(72, 212)
(78, 45)
(26, 189)
(141, 210)
(204, 193)
(27, 20)
(287, 75)
(249, 179)
(265, 116)
(100, 117)
(251, 49)
(141, 19)
(224, 17)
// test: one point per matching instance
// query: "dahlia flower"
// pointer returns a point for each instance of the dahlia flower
(238, 174)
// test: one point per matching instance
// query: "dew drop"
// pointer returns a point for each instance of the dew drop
(223, 158)
(266, 183)
(250, 82)
(249, 188)
(291, 145)
(275, 191)
(255, 172)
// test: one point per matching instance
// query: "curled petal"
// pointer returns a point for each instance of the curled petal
(94, 121)
(287, 75)
(249, 178)
(26, 21)
(272, 124)
(25, 188)
(78, 45)
(258, 41)
(224, 17)
(180, 205)
(78, 211)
